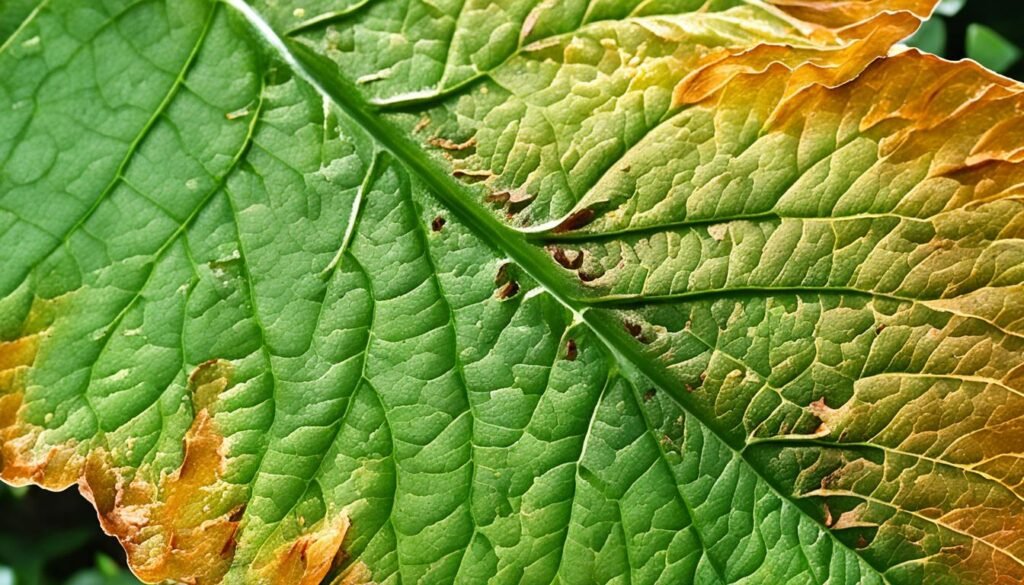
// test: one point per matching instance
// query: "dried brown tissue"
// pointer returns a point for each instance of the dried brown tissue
(181, 526)
(308, 559)
(854, 48)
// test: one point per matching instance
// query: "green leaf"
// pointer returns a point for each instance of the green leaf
(107, 566)
(989, 48)
(931, 37)
(385, 291)
(99, 577)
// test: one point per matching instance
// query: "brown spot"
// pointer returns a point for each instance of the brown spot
(502, 276)
(570, 350)
(508, 290)
(499, 197)
(513, 201)
(650, 394)
(634, 329)
(625, 168)
(828, 514)
(861, 542)
(507, 286)
(423, 123)
(822, 411)
(560, 256)
(575, 221)
(849, 520)
(587, 277)
(879, 329)
(518, 200)
(229, 547)
(637, 331)
(438, 223)
(450, 145)
(472, 176)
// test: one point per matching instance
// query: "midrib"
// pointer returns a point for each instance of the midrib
(511, 243)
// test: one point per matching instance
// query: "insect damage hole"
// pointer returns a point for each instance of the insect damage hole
(571, 351)
(508, 286)
(575, 221)
(568, 259)
(636, 331)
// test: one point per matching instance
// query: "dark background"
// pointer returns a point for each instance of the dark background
(54, 538)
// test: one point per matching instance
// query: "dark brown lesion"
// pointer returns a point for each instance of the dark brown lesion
(508, 286)
(568, 259)
(511, 201)
(571, 351)
(638, 332)
(576, 220)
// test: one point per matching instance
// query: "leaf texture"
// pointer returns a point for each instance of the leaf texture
(402, 291)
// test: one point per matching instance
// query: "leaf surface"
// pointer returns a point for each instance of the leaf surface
(390, 291)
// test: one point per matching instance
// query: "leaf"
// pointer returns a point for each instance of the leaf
(388, 291)
(989, 48)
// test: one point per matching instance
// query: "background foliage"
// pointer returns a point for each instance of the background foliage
(54, 538)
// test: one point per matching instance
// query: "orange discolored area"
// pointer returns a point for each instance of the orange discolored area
(15, 358)
(850, 51)
(843, 13)
(182, 525)
(307, 560)
(20, 463)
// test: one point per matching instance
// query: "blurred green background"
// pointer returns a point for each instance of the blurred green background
(54, 538)
(989, 31)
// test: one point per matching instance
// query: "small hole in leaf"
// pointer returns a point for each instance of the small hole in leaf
(567, 262)
(570, 350)
(637, 331)
(575, 221)
(508, 290)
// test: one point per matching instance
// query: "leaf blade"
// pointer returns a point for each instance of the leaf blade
(403, 468)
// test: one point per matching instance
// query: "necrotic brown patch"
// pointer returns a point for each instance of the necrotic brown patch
(181, 525)
(184, 527)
